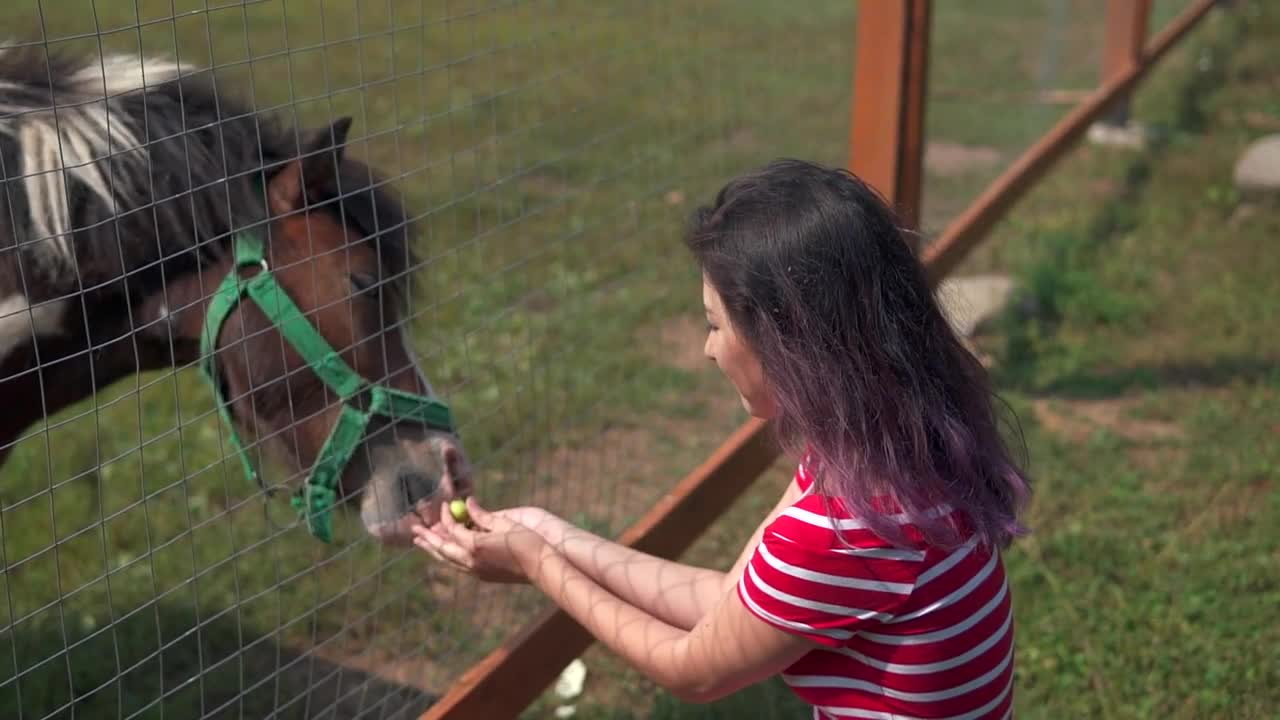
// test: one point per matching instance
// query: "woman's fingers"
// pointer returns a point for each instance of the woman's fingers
(425, 538)
(479, 515)
(485, 520)
(429, 549)
(443, 549)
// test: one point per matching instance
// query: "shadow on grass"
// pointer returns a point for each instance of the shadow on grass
(771, 700)
(768, 700)
(1099, 385)
(161, 663)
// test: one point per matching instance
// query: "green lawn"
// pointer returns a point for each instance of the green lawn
(551, 151)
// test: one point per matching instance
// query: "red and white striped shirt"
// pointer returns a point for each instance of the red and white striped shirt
(907, 633)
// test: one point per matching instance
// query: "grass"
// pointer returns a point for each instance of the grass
(551, 151)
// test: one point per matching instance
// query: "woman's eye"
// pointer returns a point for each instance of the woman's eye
(364, 283)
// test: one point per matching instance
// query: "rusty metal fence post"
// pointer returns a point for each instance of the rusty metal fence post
(886, 131)
(1126, 35)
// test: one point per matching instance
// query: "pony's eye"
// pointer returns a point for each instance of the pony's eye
(363, 283)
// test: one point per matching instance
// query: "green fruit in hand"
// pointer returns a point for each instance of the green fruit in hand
(458, 508)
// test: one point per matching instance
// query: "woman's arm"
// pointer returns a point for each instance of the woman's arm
(727, 650)
(676, 593)
(789, 497)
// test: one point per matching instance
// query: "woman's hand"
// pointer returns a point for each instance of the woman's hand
(499, 549)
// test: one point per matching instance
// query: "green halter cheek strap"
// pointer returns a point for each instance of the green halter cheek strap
(315, 500)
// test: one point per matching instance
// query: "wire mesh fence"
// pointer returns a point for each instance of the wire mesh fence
(1000, 76)
(536, 158)
(532, 163)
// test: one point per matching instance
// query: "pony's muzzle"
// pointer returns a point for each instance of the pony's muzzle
(411, 482)
(417, 485)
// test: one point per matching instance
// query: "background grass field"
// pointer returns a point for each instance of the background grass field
(551, 151)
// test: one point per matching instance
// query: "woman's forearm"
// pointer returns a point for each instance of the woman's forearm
(648, 644)
(673, 592)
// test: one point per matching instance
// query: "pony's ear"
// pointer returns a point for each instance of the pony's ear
(334, 136)
(308, 178)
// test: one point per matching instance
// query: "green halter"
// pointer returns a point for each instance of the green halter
(315, 499)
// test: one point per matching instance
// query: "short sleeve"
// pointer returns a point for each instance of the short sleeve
(822, 593)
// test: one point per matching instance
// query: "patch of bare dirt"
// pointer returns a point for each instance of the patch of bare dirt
(545, 185)
(742, 138)
(600, 479)
(345, 688)
(1256, 120)
(1236, 506)
(603, 482)
(1160, 467)
(680, 343)
(1241, 214)
(1157, 458)
(1102, 188)
(1231, 503)
(947, 159)
(539, 301)
(1076, 420)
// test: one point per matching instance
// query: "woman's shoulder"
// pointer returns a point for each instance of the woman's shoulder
(820, 570)
(816, 555)
(819, 525)
(820, 519)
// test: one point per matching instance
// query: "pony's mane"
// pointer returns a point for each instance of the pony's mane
(115, 166)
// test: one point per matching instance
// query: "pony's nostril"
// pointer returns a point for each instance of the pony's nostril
(415, 485)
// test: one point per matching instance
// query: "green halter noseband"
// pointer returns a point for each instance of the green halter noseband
(315, 499)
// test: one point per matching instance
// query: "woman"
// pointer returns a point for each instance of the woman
(875, 586)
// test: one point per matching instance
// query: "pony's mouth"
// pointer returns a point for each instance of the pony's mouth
(410, 484)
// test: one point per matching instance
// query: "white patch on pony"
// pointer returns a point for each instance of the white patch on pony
(69, 141)
(119, 74)
(19, 322)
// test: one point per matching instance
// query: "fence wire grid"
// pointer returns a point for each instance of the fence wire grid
(546, 154)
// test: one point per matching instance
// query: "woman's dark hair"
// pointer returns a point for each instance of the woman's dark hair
(869, 378)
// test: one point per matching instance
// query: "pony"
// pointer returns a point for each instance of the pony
(152, 221)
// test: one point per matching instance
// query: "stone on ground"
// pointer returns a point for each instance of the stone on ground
(1258, 169)
(1130, 136)
(970, 300)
